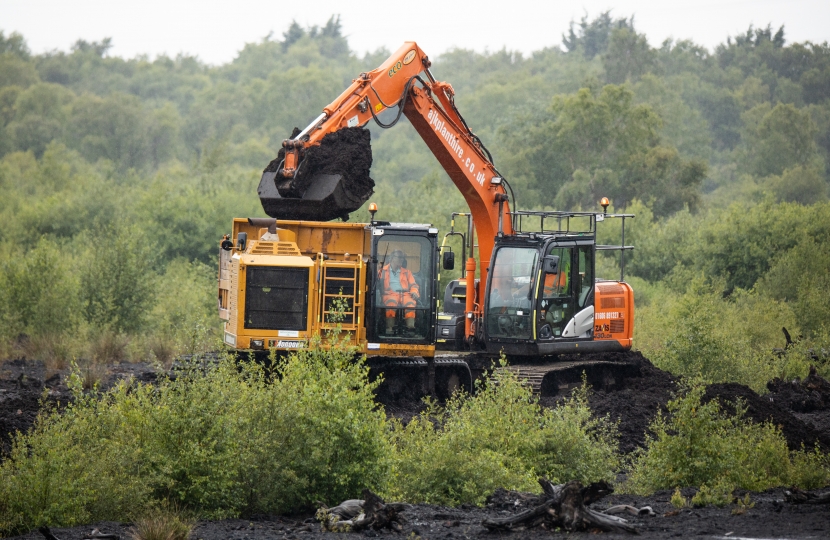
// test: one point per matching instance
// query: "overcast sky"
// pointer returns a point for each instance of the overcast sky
(216, 30)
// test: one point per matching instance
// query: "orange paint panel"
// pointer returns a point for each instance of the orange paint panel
(614, 312)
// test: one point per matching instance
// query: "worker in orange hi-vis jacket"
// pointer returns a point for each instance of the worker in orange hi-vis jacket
(399, 290)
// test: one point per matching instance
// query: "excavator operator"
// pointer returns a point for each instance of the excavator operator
(399, 290)
(557, 283)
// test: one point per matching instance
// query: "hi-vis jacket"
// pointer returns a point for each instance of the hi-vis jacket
(407, 281)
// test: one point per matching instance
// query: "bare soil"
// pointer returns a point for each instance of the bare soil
(801, 408)
(770, 517)
(347, 152)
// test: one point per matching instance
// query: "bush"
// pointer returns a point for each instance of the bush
(38, 293)
(699, 445)
(315, 435)
(220, 442)
(703, 334)
(117, 282)
(162, 523)
(500, 437)
(183, 319)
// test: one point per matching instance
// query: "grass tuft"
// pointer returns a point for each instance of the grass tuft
(162, 523)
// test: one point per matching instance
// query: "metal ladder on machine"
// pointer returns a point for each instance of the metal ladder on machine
(340, 280)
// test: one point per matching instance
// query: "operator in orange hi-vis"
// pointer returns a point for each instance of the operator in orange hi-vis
(555, 283)
(399, 290)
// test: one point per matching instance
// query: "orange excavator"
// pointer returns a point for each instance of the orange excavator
(536, 295)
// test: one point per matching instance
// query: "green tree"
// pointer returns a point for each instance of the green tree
(628, 56)
(587, 146)
(15, 70)
(591, 38)
(115, 128)
(778, 138)
(39, 292)
(117, 280)
(40, 114)
(804, 185)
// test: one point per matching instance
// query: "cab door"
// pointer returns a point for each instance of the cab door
(566, 292)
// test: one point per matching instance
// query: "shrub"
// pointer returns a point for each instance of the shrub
(702, 334)
(500, 437)
(699, 445)
(74, 467)
(719, 494)
(219, 441)
(315, 435)
(678, 500)
(117, 278)
(184, 314)
(38, 293)
(162, 523)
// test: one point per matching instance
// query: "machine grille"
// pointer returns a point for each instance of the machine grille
(613, 302)
(276, 298)
(610, 288)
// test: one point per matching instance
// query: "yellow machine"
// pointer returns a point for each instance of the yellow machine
(280, 281)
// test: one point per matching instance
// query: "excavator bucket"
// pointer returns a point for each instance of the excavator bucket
(326, 199)
(331, 181)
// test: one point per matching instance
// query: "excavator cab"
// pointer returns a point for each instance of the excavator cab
(403, 278)
(543, 297)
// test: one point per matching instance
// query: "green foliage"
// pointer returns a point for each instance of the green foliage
(701, 333)
(678, 500)
(38, 293)
(796, 277)
(700, 445)
(587, 146)
(720, 494)
(500, 437)
(738, 244)
(185, 304)
(628, 56)
(591, 38)
(162, 523)
(778, 138)
(743, 505)
(218, 441)
(117, 285)
(803, 185)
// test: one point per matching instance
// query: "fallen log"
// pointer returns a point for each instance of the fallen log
(356, 515)
(625, 508)
(795, 495)
(98, 535)
(47, 533)
(566, 507)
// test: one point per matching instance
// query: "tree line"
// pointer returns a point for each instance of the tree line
(120, 175)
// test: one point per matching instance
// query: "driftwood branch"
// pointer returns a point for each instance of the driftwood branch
(566, 506)
(98, 535)
(798, 496)
(355, 515)
(47, 533)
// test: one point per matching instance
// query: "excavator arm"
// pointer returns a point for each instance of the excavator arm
(429, 106)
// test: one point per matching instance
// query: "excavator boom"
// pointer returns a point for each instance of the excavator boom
(403, 83)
